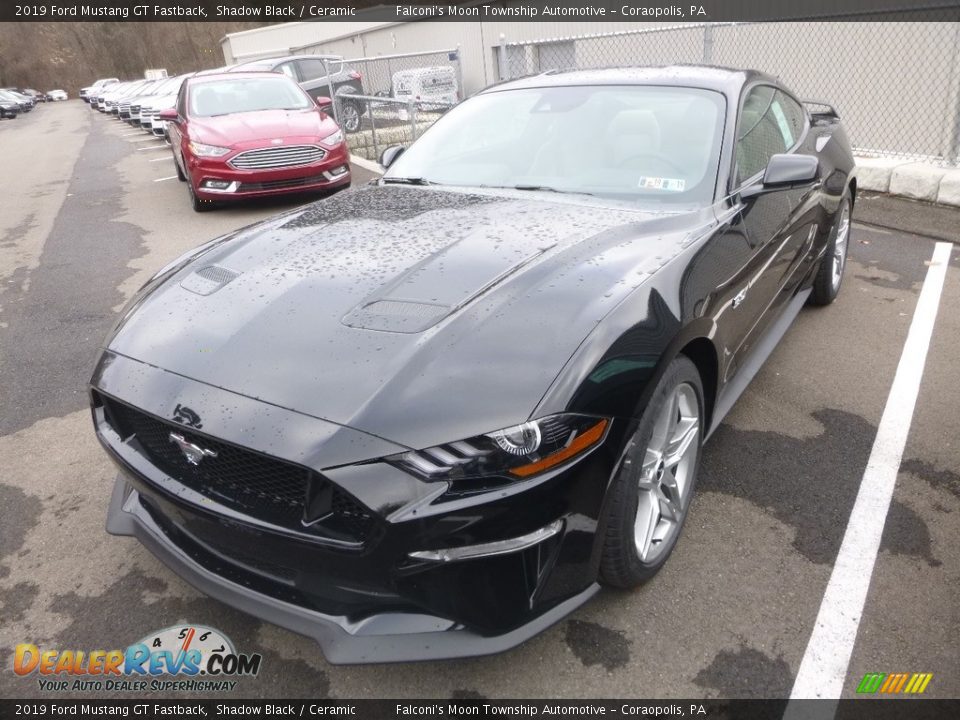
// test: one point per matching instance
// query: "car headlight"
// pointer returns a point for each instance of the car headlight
(514, 453)
(201, 150)
(334, 139)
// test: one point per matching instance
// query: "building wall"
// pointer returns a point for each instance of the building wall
(897, 84)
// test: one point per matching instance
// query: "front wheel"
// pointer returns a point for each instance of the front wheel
(651, 491)
(196, 203)
(826, 285)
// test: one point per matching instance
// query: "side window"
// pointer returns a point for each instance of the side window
(311, 69)
(287, 69)
(182, 101)
(790, 116)
(760, 134)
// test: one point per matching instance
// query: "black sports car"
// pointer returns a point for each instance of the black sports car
(430, 416)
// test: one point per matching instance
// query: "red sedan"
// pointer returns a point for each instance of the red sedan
(242, 135)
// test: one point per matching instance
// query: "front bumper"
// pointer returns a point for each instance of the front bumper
(373, 599)
(333, 171)
(386, 638)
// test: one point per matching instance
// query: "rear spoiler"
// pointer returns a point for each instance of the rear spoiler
(821, 108)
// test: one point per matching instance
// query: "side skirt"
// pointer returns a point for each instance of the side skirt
(734, 389)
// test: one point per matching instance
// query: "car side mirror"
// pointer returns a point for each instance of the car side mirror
(782, 170)
(323, 102)
(170, 115)
(390, 154)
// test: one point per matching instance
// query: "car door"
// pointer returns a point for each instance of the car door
(179, 131)
(774, 222)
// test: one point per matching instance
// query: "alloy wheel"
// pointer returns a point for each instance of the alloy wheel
(349, 117)
(840, 244)
(666, 472)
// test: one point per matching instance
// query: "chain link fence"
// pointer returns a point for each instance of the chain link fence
(400, 95)
(896, 85)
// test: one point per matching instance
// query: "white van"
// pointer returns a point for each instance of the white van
(433, 88)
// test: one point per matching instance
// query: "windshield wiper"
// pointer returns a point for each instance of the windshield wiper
(408, 181)
(547, 188)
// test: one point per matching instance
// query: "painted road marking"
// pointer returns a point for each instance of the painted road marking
(149, 138)
(172, 177)
(163, 159)
(162, 146)
(823, 669)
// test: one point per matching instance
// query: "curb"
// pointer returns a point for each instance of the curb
(909, 179)
(366, 164)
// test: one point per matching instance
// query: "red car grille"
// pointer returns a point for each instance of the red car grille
(278, 157)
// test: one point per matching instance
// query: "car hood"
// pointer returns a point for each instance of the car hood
(418, 315)
(238, 129)
(161, 102)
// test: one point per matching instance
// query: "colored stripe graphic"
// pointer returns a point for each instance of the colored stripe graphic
(894, 683)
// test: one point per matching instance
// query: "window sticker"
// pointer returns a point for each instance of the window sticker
(658, 183)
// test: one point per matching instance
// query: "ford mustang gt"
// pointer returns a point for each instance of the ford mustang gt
(430, 416)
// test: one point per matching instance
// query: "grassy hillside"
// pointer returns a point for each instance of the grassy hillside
(72, 55)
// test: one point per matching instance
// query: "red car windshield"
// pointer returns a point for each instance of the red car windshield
(244, 95)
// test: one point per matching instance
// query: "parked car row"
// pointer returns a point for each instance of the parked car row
(17, 101)
(234, 133)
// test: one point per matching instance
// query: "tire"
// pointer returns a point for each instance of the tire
(350, 113)
(196, 203)
(826, 285)
(650, 494)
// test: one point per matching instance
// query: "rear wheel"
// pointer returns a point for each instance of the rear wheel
(650, 494)
(830, 274)
(350, 116)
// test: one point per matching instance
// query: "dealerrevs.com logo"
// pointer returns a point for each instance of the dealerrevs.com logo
(189, 658)
(895, 683)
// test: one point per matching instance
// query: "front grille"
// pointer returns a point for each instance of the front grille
(278, 157)
(256, 485)
(282, 184)
(134, 109)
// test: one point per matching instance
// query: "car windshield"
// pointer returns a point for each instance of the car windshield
(224, 97)
(647, 143)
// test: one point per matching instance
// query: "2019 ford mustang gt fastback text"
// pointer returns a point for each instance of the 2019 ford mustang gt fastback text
(430, 416)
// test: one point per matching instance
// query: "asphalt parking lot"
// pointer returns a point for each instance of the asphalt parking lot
(92, 208)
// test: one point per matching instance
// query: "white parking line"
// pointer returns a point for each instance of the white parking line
(162, 146)
(163, 159)
(149, 138)
(172, 177)
(823, 669)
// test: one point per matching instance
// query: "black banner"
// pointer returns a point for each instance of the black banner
(679, 11)
(850, 709)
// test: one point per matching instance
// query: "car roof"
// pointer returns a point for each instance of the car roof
(287, 58)
(199, 78)
(711, 77)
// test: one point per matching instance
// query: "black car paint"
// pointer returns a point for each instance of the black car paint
(554, 304)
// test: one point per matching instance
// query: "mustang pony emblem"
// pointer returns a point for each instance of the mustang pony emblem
(192, 452)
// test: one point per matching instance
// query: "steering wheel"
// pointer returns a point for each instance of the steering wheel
(650, 156)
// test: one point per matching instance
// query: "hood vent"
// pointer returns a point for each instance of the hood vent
(406, 316)
(207, 280)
